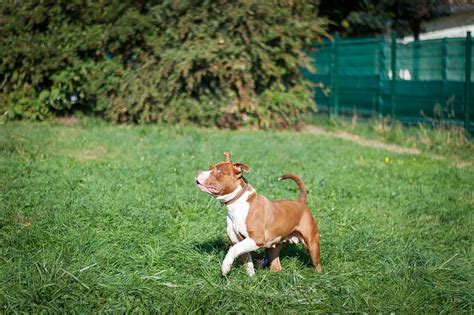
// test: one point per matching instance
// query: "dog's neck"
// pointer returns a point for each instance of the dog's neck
(236, 194)
(228, 197)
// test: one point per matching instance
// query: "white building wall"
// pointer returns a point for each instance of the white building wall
(450, 26)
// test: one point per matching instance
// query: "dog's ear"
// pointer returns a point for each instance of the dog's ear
(227, 156)
(240, 167)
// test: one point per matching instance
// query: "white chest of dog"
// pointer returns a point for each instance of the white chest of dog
(236, 216)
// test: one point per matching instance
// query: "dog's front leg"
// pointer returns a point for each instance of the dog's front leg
(245, 246)
(246, 260)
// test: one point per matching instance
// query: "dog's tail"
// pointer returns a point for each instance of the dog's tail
(299, 182)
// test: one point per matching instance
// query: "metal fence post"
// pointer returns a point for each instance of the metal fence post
(416, 60)
(393, 81)
(331, 80)
(335, 75)
(382, 74)
(467, 82)
(444, 66)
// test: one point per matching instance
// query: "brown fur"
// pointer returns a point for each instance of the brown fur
(224, 176)
(268, 220)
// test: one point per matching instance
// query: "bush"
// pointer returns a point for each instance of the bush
(55, 53)
(225, 63)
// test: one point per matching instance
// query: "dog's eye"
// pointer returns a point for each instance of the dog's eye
(217, 172)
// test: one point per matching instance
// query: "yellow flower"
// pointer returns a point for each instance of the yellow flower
(386, 159)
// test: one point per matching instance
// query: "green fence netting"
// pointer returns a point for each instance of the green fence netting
(426, 80)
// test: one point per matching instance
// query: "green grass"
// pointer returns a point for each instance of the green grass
(96, 217)
(439, 138)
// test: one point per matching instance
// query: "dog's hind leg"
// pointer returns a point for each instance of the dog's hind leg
(273, 256)
(314, 251)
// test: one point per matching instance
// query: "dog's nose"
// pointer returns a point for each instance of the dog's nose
(202, 177)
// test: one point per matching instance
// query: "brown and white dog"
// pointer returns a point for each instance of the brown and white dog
(255, 222)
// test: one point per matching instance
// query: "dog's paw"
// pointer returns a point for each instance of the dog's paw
(318, 268)
(225, 268)
(251, 271)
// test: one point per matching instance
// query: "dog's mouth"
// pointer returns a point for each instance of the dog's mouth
(208, 189)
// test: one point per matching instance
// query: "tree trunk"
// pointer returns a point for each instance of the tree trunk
(415, 26)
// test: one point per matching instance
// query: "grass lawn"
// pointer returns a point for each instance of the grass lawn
(96, 217)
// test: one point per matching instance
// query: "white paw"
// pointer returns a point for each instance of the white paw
(225, 269)
(251, 271)
(226, 266)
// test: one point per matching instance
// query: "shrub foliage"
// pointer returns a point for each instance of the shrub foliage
(225, 63)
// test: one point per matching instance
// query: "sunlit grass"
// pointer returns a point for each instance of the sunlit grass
(107, 218)
(438, 138)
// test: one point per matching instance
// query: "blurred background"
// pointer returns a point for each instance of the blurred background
(236, 63)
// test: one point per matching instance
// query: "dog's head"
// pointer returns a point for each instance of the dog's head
(221, 178)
